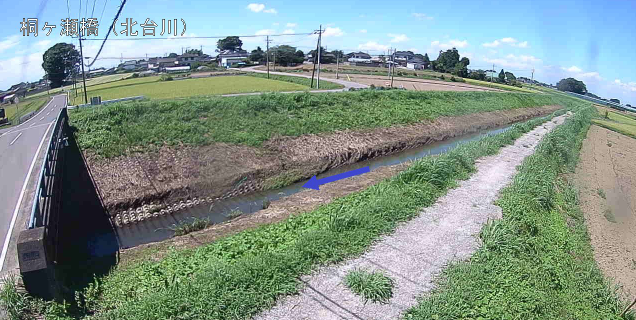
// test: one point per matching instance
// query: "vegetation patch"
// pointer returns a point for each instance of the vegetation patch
(609, 215)
(617, 122)
(601, 193)
(531, 265)
(371, 286)
(324, 84)
(142, 125)
(186, 227)
(13, 112)
(240, 275)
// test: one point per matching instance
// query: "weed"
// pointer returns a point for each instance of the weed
(601, 193)
(609, 215)
(609, 144)
(234, 213)
(373, 286)
(266, 203)
(185, 227)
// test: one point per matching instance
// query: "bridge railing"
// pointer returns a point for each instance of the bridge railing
(37, 245)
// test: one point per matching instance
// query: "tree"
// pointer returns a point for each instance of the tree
(287, 55)
(572, 85)
(615, 101)
(510, 77)
(325, 57)
(232, 43)
(478, 74)
(339, 54)
(257, 55)
(172, 55)
(59, 61)
(447, 61)
(198, 52)
(427, 61)
(628, 105)
(502, 76)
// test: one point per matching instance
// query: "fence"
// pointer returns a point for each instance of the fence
(37, 245)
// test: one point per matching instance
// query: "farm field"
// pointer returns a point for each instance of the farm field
(89, 82)
(153, 88)
(14, 111)
(620, 122)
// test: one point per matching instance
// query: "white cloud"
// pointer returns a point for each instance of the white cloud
(259, 7)
(422, 16)
(332, 32)
(291, 25)
(275, 24)
(9, 42)
(256, 7)
(414, 50)
(43, 44)
(288, 31)
(629, 86)
(373, 46)
(265, 32)
(398, 37)
(437, 45)
(362, 30)
(20, 68)
(493, 44)
(508, 40)
(591, 75)
(516, 62)
(572, 69)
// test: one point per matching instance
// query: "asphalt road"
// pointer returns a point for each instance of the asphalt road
(19, 146)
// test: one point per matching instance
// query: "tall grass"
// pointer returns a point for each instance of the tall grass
(537, 262)
(240, 275)
(114, 129)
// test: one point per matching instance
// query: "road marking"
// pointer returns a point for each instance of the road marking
(42, 119)
(16, 138)
(32, 124)
(7, 238)
(48, 113)
(42, 110)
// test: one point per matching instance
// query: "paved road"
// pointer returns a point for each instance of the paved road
(18, 149)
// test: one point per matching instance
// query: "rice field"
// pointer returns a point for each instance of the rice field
(614, 121)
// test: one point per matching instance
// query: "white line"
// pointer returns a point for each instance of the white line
(33, 126)
(42, 110)
(42, 119)
(16, 138)
(48, 113)
(17, 206)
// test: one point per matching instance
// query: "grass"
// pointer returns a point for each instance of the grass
(371, 286)
(537, 262)
(116, 129)
(240, 275)
(609, 215)
(151, 87)
(617, 122)
(499, 86)
(14, 111)
(601, 193)
(324, 84)
(186, 227)
(89, 82)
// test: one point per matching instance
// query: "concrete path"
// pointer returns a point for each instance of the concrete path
(19, 150)
(419, 249)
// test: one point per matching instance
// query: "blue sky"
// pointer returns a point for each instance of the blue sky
(591, 41)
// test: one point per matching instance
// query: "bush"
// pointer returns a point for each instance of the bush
(135, 75)
(452, 78)
(442, 77)
(166, 77)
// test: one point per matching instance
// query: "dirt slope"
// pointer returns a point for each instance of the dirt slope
(606, 176)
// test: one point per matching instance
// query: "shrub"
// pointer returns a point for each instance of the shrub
(442, 77)
(135, 75)
(166, 77)
(373, 286)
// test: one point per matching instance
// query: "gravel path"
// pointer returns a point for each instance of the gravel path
(419, 249)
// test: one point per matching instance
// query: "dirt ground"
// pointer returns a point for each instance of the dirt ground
(174, 174)
(605, 175)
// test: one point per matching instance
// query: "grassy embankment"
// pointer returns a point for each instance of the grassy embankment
(620, 123)
(324, 84)
(114, 129)
(153, 88)
(537, 262)
(14, 111)
(240, 275)
(89, 83)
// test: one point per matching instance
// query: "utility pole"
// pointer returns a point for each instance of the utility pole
(274, 64)
(393, 64)
(493, 72)
(319, 49)
(313, 72)
(83, 74)
(267, 54)
(337, 64)
(388, 54)
(532, 81)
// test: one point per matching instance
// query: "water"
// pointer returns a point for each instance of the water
(160, 228)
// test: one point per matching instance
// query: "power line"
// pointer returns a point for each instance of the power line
(93, 10)
(104, 8)
(121, 7)
(199, 37)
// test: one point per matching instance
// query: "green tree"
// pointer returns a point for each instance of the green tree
(325, 57)
(427, 61)
(339, 54)
(615, 101)
(502, 76)
(510, 77)
(447, 61)
(287, 55)
(195, 51)
(230, 43)
(172, 55)
(257, 55)
(59, 61)
(572, 85)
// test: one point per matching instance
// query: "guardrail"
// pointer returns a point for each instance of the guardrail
(37, 245)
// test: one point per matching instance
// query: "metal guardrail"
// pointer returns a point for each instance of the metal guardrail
(46, 202)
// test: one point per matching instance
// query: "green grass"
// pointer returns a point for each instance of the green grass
(15, 111)
(186, 227)
(617, 122)
(151, 87)
(114, 129)
(537, 262)
(324, 84)
(609, 215)
(371, 286)
(89, 82)
(499, 86)
(241, 275)
(601, 193)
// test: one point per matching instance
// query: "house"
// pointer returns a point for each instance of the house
(228, 58)
(188, 58)
(415, 64)
(11, 98)
(358, 55)
(177, 69)
(142, 64)
(404, 55)
(163, 63)
(129, 65)
(153, 64)
(96, 72)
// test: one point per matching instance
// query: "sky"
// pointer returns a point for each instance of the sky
(591, 41)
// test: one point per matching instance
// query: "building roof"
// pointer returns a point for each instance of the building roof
(230, 54)
(177, 68)
(166, 60)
